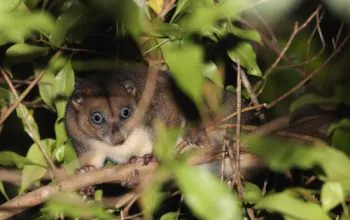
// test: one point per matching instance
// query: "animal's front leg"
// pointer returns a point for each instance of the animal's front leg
(89, 190)
(145, 159)
(90, 161)
(134, 177)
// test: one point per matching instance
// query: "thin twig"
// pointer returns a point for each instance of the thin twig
(319, 31)
(237, 173)
(307, 78)
(15, 105)
(118, 173)
(146, 97)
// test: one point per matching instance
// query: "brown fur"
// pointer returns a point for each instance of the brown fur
(108, 93)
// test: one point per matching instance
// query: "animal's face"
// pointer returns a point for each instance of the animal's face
(104, 108)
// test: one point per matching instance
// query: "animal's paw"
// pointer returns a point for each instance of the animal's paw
(89, 190)
(145, 159)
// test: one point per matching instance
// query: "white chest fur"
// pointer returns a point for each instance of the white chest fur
(138, 143)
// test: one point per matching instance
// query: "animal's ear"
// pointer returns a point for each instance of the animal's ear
(77, 100)
(77, 96)
(130, 87)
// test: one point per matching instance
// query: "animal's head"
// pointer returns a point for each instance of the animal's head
(103, 105)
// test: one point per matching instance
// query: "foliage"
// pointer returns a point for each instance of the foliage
(50, 44)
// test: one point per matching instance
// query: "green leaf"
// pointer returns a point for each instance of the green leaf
(61, 138)
(310, 99)
(3, 191)
(186, 65)
(281, 155)
(15, 27)
(46, 88)
(63, 88)
(272, 10)
(180, 8)
(247, 57)
(211, 72)
(207, 197)
(202, 18)
(11, 5)
(165, 143)
(73, 206)
(252, 192)
(66, 20)
(70, 161)
(332, 194)
(159, 28)
(289, 205)
(8, 158)
(32, 173)
(28, 121)
(341, 140)
(169, 216)
(248, 34)
(31, 3)
(340, 7)
(24, 53)
(152, 198)
(5, 97)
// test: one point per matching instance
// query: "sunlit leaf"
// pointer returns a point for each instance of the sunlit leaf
(71, 162)
(252, 192)
(248, 34)
(205, 194)
(169, 216)
(159, 28)
(46, 88)
(8, 158)
(247, 58)
(332, 194)
(15, 27)
(289, 205)
(61, 138)
(186, 65)
(11, 6)
(63, 88)
(32, 173)
(203, 17)
(73, 206)
(24, 53)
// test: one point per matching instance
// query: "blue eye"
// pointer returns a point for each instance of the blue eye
(97, 118)
(125, 112)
